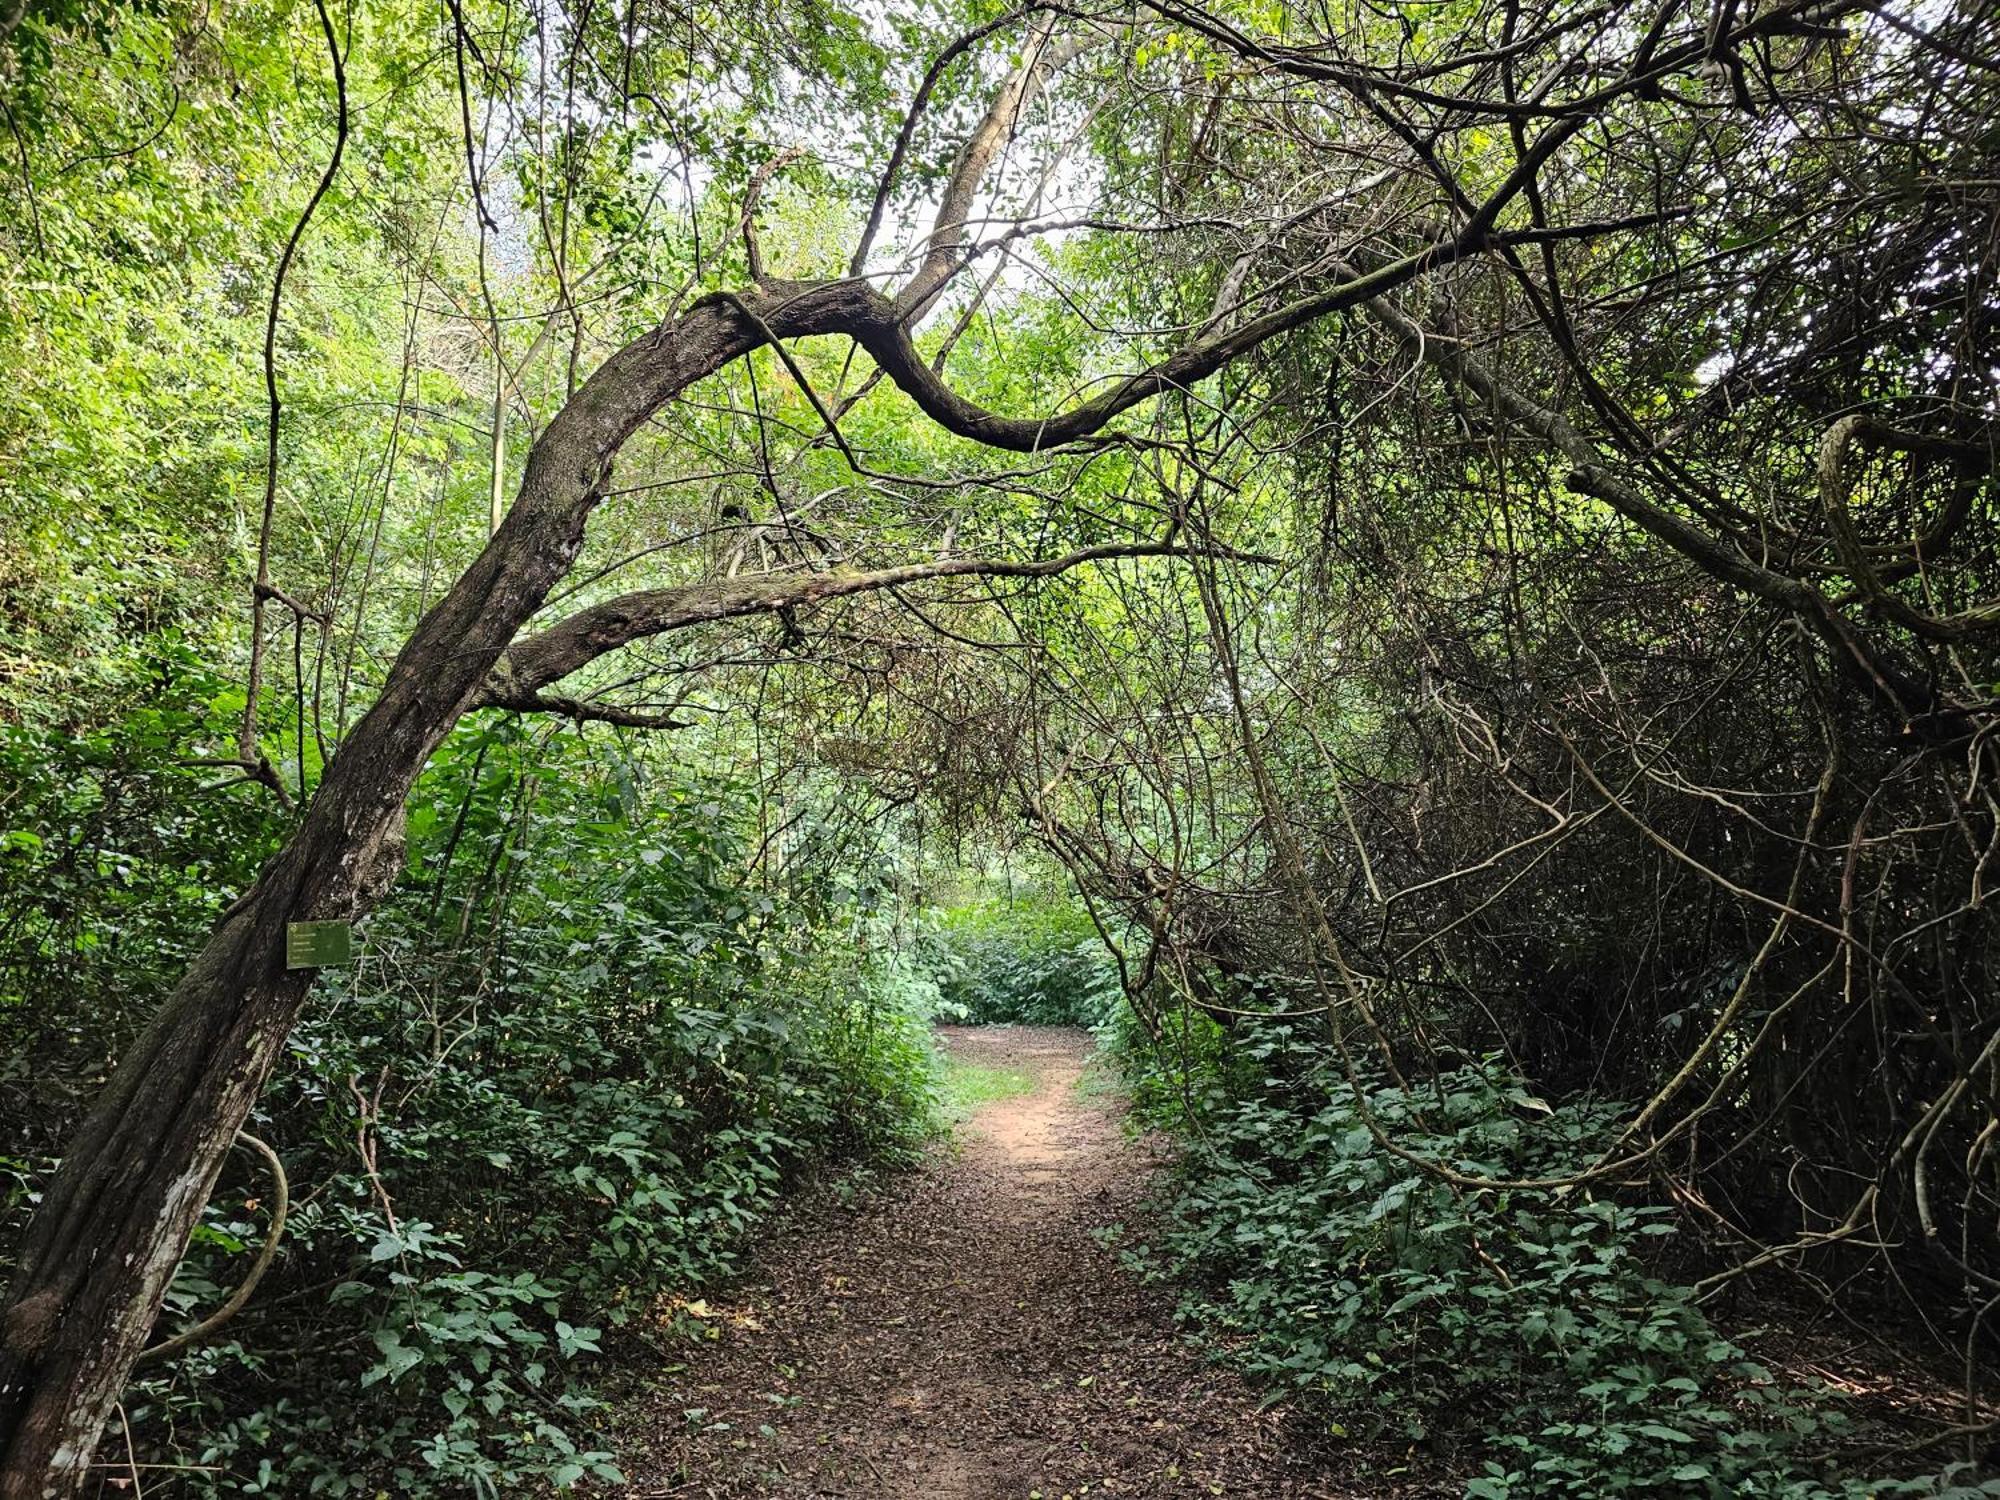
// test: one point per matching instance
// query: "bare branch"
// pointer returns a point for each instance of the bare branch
(530, 665)
(753, 252)
(915, 112)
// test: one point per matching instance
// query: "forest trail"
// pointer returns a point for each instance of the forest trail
(965, 1336)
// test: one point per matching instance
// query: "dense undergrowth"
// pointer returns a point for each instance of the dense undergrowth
(1023, 959)
(1525, 1337)
(585, 1048)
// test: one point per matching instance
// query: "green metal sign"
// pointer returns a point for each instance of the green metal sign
(318, 945)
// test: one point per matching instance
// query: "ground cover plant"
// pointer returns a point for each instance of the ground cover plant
(1538, 1338)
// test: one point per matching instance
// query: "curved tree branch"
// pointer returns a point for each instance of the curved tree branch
(1854, 558)
(535, 663)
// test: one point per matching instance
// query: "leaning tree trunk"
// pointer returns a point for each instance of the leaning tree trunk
(115, 1219)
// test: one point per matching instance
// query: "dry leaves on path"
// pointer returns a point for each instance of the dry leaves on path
(963, 1336)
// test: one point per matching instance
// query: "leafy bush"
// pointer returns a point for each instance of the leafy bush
(1525, 1324)
(581, 1054)
(1027, 961)
(114, 859)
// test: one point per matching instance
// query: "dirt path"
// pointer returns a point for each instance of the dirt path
(965, 1337)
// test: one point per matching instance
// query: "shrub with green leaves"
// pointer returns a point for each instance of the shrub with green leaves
(1029, 960)
(1522, 1329)
(583, 1052)
(115, 857)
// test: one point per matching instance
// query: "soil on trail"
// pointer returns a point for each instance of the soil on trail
(964, 1335)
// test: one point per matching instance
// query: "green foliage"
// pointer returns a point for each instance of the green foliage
(1524, 1326)
(582, 1054)
(1029, 961)
(114, 859)
(137, 239)
(596, 1034)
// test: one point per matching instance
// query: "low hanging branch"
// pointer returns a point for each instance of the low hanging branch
(535, 663)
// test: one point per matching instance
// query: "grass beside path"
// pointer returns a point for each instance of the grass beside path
(964, 1086)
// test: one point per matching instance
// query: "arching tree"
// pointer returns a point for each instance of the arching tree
(1429, 150)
